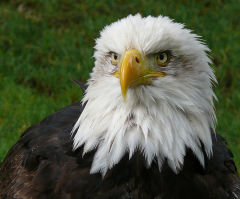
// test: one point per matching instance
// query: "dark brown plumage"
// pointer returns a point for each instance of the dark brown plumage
(42, 165)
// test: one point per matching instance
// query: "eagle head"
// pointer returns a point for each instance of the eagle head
(150, 90)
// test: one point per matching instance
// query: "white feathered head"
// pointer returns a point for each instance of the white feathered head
(150, 90)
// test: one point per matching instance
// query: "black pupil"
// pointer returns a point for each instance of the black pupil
(115, 56)
(161, 57)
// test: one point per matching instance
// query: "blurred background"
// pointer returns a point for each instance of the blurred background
(46, 43)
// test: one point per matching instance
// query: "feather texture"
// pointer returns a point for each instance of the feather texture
(42, 165)
(161, 120)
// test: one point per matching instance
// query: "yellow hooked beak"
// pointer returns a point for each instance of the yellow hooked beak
(134, 70)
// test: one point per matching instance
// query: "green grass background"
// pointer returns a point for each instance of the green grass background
(46, 43)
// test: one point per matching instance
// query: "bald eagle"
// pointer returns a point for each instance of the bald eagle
(145, 128)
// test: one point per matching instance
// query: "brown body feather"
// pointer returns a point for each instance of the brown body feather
(42, 165)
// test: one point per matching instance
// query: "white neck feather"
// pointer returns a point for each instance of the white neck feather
(160, 124)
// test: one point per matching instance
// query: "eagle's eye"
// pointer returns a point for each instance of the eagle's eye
(114, 58)
(162, 58)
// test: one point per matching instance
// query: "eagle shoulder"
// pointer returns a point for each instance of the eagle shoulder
(42, 164)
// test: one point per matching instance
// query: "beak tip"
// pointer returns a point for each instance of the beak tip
(124, 90)
(124, 97)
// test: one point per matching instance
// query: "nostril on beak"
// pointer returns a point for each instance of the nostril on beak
(137, 60)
